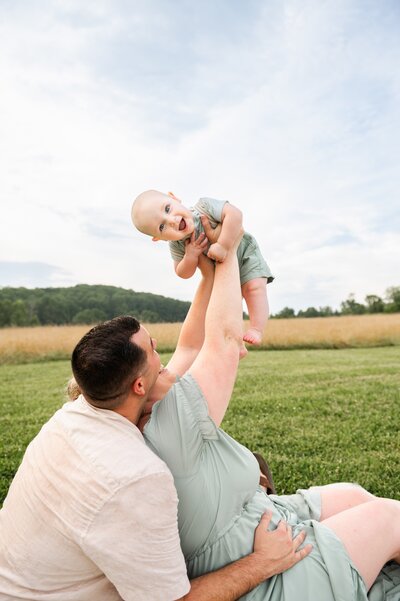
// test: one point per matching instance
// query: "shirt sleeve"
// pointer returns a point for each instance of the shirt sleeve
(134, 540)
(179, 426)
(177, 249)
(211, 207)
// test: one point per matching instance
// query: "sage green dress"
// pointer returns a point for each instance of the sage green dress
(221, 503)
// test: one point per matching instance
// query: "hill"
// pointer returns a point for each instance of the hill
(84, 304)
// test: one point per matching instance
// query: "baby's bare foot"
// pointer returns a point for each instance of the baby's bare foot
(253, 336)
(243, 352)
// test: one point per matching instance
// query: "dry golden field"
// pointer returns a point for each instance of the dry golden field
(24, 344)
(334, 332)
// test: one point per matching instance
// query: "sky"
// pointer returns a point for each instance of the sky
(289, 109)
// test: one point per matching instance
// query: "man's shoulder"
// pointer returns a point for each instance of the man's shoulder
(112, 446)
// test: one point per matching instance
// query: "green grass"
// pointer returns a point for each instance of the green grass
(317, 416)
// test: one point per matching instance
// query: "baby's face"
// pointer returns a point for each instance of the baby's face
(165, 218)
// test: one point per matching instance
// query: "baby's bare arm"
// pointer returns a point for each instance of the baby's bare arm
(230, 228)
(186, 267)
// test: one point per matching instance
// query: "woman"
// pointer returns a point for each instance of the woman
(353, 533)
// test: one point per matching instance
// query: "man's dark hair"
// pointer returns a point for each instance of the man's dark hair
(105, 361)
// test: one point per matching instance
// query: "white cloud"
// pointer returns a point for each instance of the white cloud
(293, 118)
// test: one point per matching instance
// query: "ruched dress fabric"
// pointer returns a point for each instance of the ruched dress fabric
(221, 503)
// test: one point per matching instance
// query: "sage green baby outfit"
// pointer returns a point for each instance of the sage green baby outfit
(221, 503)
(251, 262)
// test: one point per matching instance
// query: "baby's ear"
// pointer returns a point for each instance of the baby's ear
(155, 239)
(172, 195)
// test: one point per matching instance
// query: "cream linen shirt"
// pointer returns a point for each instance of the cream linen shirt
(91, 515)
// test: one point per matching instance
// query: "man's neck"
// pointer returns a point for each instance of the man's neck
(131, 408)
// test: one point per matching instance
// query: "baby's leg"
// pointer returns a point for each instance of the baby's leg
(255, 294)
(341, 496)
(370, 533)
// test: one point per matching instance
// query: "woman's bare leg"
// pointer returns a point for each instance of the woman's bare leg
(341, 496)
(370, 532)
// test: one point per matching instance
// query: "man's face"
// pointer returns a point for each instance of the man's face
(153, 365)
(165, 218)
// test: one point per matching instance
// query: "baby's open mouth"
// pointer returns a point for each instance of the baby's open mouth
(182, 224)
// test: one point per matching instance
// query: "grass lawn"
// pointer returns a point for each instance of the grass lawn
(317, 415)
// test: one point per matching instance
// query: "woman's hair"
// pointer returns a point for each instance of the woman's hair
(73, 390)
(105, 361)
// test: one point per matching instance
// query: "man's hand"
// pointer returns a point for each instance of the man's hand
(274, 552)
(217, 252)
(276, 548)
(195, 246)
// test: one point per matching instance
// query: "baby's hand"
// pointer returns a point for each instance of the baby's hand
(195, 246)
(217, 252)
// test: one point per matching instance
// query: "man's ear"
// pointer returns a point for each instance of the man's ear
(155, 239)
(137, 387)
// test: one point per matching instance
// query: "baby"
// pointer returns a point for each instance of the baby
(189, 232)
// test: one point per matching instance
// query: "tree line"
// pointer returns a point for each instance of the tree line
(373, 304)
(84, 304)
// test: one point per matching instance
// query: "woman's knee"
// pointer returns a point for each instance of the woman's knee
(341, 496)
(386, 513)
(353, 487)
(359, 494)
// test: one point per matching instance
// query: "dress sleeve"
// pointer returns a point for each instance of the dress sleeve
(180, 426)
(134, 541)
(211, 207)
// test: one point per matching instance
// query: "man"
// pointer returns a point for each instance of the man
(92, 512)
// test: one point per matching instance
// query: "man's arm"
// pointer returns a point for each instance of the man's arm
(274, 552)
(231, 225)
(133, 538)
(140, 554)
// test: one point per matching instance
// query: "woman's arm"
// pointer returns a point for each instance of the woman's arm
(216, 365)
(191, 336)
(190, 340)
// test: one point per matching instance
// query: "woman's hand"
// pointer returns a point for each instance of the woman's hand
(276, 548)
(217, 252)
(212, 233)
